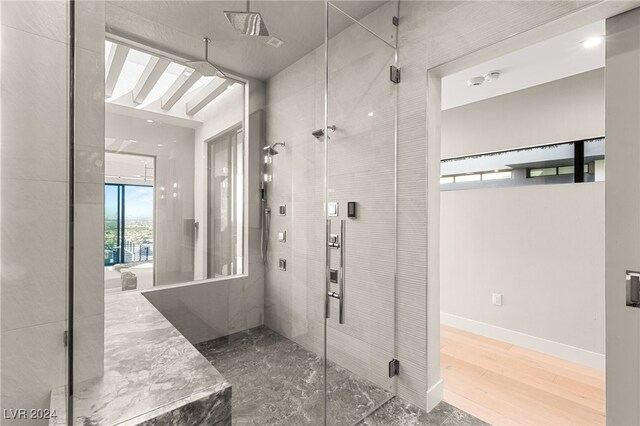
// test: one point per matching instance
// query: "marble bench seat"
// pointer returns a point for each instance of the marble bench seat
(152, 375)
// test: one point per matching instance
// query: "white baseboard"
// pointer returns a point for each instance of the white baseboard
(435, 394)
(549, 347)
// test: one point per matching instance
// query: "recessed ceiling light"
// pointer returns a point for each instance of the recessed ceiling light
(275, 42)
(370, 114)
(592, 42)
(149, 121)
(492, 76)
(160, 145)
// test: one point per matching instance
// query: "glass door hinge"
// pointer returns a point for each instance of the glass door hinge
(65, 338)
(394, 368)
(394, 74)
(395, 20)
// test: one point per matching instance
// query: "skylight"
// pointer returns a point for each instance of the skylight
(132, 74)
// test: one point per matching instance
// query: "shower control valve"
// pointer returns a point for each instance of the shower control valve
(334, 241)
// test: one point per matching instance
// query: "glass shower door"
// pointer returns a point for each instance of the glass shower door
(360, 133)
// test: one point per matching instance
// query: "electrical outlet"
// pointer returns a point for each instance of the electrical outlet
(497, 299)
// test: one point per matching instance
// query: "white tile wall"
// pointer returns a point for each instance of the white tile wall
(88, 348)
(361, 169)
(34, 192)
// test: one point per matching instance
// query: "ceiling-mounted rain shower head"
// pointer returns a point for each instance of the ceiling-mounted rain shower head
(247, 23)
(320, 132)
(205, 67)
(271, 148)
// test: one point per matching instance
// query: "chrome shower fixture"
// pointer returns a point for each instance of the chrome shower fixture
(271, 148)
(320, 132)
(247, 23)
(205, 67)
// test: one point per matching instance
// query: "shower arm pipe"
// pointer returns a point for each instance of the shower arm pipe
(207, 42)
(137, 43)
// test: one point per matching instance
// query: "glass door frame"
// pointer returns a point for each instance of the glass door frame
(328, 128)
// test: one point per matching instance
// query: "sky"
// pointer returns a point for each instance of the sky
(138, 202)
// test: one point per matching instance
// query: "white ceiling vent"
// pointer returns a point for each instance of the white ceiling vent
(275, 42)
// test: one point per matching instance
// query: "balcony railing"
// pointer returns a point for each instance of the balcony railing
(130, 252)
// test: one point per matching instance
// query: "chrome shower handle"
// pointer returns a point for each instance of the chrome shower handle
(341, 272)
(327, 306)
(341, 284)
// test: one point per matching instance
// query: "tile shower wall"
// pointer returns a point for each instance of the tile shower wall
(34, 190)
(430, 33)
(361, 169)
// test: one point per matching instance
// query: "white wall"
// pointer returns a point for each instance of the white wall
(542, 248)
(521, 241)
(453, 30)
(623, 226)
(568, 109)
(173, 245)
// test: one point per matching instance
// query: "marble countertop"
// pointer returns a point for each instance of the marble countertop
(150, 371)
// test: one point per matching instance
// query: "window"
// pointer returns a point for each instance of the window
(225, 248)
(554, 171)
(540, 165)
(128, 224)
(475, 177)
(497, 175)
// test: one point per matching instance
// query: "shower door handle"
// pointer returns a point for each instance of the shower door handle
(327, 289)
(341, 283)
(341, 272)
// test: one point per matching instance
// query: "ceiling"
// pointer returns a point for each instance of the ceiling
(178, 27)
(128, 167)
(155, 88)
(549, 60)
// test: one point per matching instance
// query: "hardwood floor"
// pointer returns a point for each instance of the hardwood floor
(504, 384)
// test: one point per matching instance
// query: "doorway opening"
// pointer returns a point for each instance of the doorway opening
(522, 233)
(129, 222)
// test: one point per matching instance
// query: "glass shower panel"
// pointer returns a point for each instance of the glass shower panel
(34, 210)
(361, 214)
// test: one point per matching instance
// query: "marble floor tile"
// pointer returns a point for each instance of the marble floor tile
(277, 381)
(396, 412)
